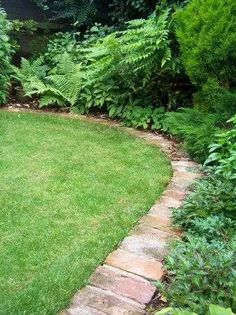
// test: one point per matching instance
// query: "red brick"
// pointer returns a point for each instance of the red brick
(160, 223)
(160, 210)
(83, 310)
(139, 265)
(177, 186)
(123, 283)
(148, 242)
(178, 195)
(184, 163)
(170, 202)
(107, 302)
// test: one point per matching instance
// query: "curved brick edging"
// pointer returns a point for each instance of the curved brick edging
(124, 284)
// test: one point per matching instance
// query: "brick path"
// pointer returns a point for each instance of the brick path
(124, 284)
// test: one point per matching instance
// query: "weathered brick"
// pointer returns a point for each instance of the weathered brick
(123, 283)
(184, 163)
(177, 186)
(187, 175)
(83, 310)
(175, 194)
(106, 301)
(148, 242)
(142, 266)
(162, 211)
(170, 202)
(160, 223)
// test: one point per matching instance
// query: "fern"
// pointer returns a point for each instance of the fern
(59, 86)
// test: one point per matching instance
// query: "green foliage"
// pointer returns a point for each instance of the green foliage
(223, 152)
(60, 86)
(195, 128)
(213, 310)
(80, 12)
(140, 64)
(5, 55)
(213, 227)
(213, 98)
(213, 195)
(206, 33)
(207, 36)
(201, 273)
(60, 44)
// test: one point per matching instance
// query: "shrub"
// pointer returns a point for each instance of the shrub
(206, 33)
(214, 195)
(207, 37)
(214, 98)
(223, 152)
(194, 128)
(201, 273)
(5, 55)
(213, 227)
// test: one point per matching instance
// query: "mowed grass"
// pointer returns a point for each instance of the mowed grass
(69, 192)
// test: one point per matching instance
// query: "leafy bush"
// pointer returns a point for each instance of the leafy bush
(141, 65)
(206, 33)
(194, 128)
(213, 227)
(223, 152)
(213, 98)
(201, 273)
(5, 55)
(214, 195)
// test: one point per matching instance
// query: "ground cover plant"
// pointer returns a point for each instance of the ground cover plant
(201, 267)
(70, 191)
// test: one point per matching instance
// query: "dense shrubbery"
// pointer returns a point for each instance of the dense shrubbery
(5, 55)
(202, 267)
(207, 39)
(127, 73)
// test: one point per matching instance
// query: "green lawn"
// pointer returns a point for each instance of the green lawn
(69, 192)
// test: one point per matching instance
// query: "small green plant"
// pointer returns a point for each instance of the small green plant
(214, 195)
(223, 152)
(201, 273)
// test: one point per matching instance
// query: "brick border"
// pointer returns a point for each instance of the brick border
(124, 284)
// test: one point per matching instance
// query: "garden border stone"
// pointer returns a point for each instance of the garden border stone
(124, 284)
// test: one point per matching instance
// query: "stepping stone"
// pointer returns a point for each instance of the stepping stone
(146, 267)
(106, 302)
(160, 223)
(123, 283)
